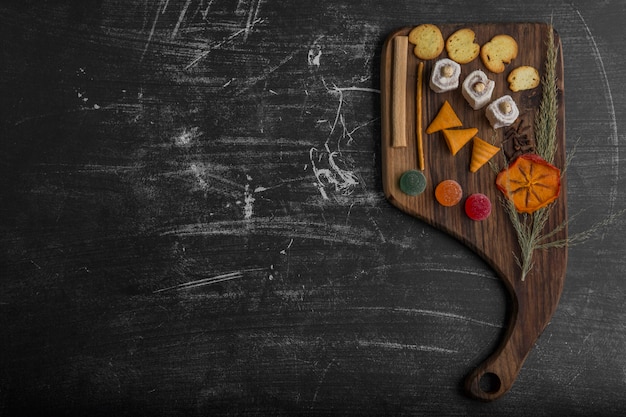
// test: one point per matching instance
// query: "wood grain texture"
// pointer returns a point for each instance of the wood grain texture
(192, 218)
(494, 239)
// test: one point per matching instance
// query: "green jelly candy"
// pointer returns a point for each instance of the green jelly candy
(412, 182)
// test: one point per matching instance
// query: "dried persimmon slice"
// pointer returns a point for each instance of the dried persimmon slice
(530, 182)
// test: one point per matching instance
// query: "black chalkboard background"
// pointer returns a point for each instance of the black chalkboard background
(192, 219)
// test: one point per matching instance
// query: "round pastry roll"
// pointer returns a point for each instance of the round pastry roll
(445, 75)
(477, 89)
(502, 112)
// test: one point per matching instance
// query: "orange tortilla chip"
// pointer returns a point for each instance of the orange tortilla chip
(481, 153)
(457, 138)
(445, 119)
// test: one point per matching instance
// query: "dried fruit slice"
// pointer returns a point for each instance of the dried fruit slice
(457, 138)
(448, 193)
(481, 153)
(445, 119)
(530, 182)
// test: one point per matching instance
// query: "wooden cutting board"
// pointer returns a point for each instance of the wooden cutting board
(534, 299)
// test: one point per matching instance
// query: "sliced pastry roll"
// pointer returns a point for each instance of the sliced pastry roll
(445, 75)
(477, 89)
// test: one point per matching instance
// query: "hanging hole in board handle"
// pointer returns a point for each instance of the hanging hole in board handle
(489, 383)
(486, 385)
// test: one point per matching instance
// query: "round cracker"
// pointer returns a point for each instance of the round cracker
(461, 47)
(498, 52)
(428, 41)
(523, 78)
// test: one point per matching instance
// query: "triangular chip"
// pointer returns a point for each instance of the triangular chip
(457, 138)
(481, 153)
(445, 119)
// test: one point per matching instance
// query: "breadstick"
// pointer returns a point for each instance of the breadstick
(420, 93)
(398, 114)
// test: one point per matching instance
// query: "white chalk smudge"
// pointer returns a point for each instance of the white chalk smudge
(282, 227)
(253, 14)
(214, 183)
(249, 200)
(404, 346)
(335, 175)
(342, 180)
(284, 251)
(205, 12)
(217, 45)
(253, 80)
(314, 56)
(160, 10)
(81, 94)
(186, 136)
(229, 276)
(181, 17)
(432, 313)
(197, 172)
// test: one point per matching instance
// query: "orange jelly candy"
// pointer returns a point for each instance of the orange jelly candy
(448, 193)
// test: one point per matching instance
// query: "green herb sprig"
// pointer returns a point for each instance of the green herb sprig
(546, 117)
(529, 227)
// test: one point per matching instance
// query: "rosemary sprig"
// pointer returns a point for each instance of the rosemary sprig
(529, 227)
(546, 118)
(580, 237)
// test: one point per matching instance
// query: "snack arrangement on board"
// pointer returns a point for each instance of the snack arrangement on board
(449, 75)
(477, 89)
(473, 143)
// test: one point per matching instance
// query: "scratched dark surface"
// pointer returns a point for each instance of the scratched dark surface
(192, 219)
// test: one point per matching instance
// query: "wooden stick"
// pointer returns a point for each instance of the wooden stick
(420, 93)
(398, 94)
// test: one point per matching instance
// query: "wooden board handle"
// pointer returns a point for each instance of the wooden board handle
(533, 303)
(495, 376)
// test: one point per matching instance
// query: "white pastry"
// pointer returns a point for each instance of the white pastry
(477, 89)
(445, 76)
(502, 112)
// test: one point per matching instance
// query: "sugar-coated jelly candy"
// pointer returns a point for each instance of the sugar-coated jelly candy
(413, 182)
(478, 206)
(448, 193)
